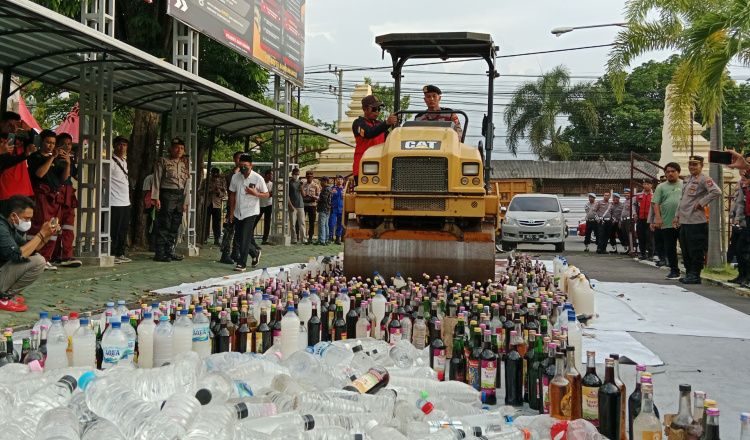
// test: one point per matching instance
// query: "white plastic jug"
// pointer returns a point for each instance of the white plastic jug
(570, 273)
(584, 296)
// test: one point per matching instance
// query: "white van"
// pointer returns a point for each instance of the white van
(534, 219)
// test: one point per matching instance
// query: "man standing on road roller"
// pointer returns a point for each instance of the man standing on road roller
(171, 191)
(368, 131)
(432, 96)
(698, 191)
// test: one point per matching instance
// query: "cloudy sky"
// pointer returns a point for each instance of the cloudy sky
(342, 33)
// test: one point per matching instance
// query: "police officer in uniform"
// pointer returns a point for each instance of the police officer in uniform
(604, 223)
(171, 191)
(698, 191)
(737, 219)
(432, 96)
(616, 213)
(590, 210)
(625, 219)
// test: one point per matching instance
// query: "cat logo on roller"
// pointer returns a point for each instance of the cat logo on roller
(412, 145)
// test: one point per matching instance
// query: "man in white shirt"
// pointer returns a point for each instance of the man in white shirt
(119, 200)
(245, 191)
(266, 207)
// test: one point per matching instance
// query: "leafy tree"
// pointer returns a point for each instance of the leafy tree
(632, 125)
(708, 34)
(535, 107)
(385, 95)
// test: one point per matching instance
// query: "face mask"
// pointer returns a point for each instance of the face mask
(295, 177)
(22, 226)
(244, 170)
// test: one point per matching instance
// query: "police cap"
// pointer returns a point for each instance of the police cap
(431, 89)
(592, 195)
(627, 190)
(178, 141)
(371, 101)
(698, 159)
(616, 195)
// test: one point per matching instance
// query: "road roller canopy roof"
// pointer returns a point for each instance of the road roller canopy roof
(441, 45)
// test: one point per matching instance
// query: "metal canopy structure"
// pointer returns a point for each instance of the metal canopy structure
(44, 46)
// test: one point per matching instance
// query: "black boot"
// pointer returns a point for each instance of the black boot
(173, 255)
(161, 255)
(741, 276)
(338, 239)
(225, 258)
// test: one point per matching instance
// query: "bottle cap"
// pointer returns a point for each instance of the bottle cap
(124, 318)
(43, 314)
(744, 417)
(428, 407)
(84, 322)
(424, 394)
(35, 366)
(73, 315)
(184, 312)
(117, 324)
(640, 368)
(712, 412)
(199, 309)
(204, 396)
(709, 403)
(70, 381)
(86, 379)
(111, 304)
(685, 387)
(309, 422)
(121, 302)
(163, 318)
(56, 318)
(241, 409)
(617, 357)
(357, 348)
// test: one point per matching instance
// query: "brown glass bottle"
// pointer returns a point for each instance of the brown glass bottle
(610, 403)
(623, 390)
(241, 334)
(528, 359)
(590, 385)
(513, 373)
(375, 379)
(547, 373)
(574, 377)
(560, 391)
(263, 336)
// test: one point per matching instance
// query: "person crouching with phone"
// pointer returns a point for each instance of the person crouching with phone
(20, 264)
(245, 190)
(49, 168)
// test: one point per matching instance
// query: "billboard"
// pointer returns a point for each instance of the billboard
(270, 32)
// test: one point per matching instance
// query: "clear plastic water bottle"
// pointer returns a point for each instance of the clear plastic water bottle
(265, 276)
(135, 418)
(26, 415)
(130, 334)
(84, 345)
(100, 429)
(183, 333)
(458, 391)
(57, 344)
(269, 424)
(43, 320)
(121, 310)
(216, 422)
(332, 354)
(146, 341)
(398, 282)
(320, 403)
(58, 424)
(308, 370)
(111, 309)
(78, 405)
(283, 402)
(403, 354)
(182, 408)
(219, 385)
(314, 298)
(201, 333)
(70, 328)
(114, 346)
(163, 342)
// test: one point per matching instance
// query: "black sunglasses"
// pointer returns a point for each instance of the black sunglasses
(375, 109)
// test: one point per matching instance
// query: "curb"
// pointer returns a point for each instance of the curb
(713, 281)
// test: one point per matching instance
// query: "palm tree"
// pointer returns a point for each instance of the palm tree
(707, 34)
(535, 106)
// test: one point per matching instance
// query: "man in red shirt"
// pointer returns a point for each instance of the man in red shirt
(641, 208)
(14, 179)
(368, 131)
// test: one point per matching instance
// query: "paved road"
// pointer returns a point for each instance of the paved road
(713, 365)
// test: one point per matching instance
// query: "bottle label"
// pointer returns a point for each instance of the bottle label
(525, 377)
(651, 435)
(438, 359)
(473, 374)
(343, 336)
(590, 404)
(277, 337)
(489, 374)
(112, 355)
(545, 395)
(131, 348)
(249, 343)
(200, 334)
(396, 334)
(382, 332)
(366, 382)
(69, 350)
(259, 342)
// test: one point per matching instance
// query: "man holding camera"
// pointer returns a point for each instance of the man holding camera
(15, 147)
(49, 168)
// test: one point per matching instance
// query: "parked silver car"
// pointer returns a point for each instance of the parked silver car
(534, 219)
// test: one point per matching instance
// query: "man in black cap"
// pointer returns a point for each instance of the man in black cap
(368, 131)
(432, 96)
(171, 191)
(697, 192)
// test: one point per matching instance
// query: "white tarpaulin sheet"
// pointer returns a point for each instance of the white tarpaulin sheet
(664, 309)
(605, 342)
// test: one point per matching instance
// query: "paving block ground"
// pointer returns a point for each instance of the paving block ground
(89, 288)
